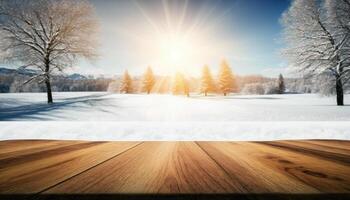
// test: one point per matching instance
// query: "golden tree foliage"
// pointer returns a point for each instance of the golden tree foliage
(126, 84)
(148, 80)
(207, 82)
(227, 82)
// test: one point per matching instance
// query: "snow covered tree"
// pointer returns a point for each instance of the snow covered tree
(270, 87)
(226, 79)
(126, 83)
(48, 35)
(280, 84)
(253, 88)
(148, 80)
(207, 82)
(318, 37)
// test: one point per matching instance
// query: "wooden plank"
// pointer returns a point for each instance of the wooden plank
(242, 163)
(34, 172)
(154, 167)
(331, 143)
(263, 168)
(289, 167)
(7, 146)
(15, 149)
(333, 151)
(336, 149)
(315, 152)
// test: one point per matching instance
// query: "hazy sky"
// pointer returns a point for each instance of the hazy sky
(184, 35)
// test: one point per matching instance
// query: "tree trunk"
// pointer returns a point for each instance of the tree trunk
(340, 92)
(48, 90)
(224, 94)
(47, 79)
(205, 93)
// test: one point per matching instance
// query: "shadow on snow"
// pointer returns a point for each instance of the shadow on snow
(30, 111)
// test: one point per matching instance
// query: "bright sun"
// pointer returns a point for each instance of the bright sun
(175, 51)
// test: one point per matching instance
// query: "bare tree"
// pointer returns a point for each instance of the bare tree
(317, 34)
(48, 35)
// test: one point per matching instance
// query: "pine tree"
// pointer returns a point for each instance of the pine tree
(226, 79)
(148, 80)
(181, 85)
(281, 86)
(186, 87)
(178, 84)
(207, 83)
(126, 83)
(235, 87)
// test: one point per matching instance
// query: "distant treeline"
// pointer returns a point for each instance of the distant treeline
(251, 84)
(13, 82)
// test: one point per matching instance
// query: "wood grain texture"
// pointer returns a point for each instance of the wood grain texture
(13, 148)
(36, 171)
(253, 168)
(320, 152)
(274, 169)
(154, 167)
(78, 167)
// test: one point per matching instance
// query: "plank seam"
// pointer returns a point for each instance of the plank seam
(323, 155)
(324, 146)
(100, 163)
(221, 167)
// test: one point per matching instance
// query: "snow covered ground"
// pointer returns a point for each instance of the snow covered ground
(122, 107)
(105, 116)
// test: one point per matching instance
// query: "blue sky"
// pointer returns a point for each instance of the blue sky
(244, 32)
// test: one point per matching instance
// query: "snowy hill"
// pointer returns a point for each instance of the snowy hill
(76, 76)
(30, 72)
(11, 80)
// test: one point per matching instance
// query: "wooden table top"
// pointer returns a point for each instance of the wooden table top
(83, 167)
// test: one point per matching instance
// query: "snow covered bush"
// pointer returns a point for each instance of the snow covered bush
(261, 88)
(271, 88)
(253, 88)
(113, 86)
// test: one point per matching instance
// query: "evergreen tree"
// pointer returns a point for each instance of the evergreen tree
(235, 87)
(148, 80)
(180, 85)
(186, 87)
(207, 83)
(126, 83)
(281, 86)
(226, 79)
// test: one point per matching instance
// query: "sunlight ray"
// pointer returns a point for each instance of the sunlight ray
(182, 17)
(201, 19)
(218, 20)
(131, 34)
(157, 86)
(149, 20)
(167, 15)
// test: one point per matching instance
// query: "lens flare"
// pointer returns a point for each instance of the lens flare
(175, 50)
